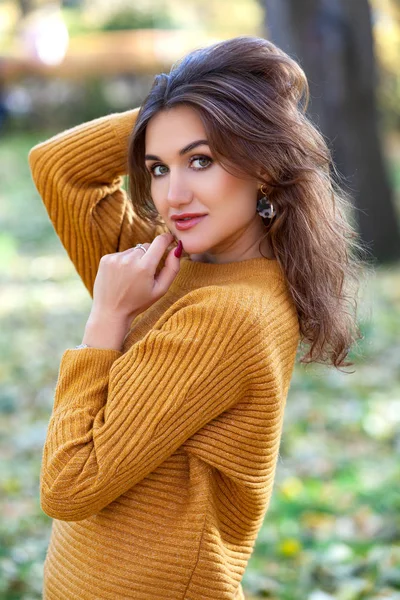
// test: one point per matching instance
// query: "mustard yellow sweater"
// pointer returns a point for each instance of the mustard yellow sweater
(159, 460)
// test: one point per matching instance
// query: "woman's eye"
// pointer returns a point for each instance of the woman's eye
(200, 159)
(154, 167)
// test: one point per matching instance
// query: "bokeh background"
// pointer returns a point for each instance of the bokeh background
(333, 527)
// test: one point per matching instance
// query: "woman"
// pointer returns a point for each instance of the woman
(161, 449)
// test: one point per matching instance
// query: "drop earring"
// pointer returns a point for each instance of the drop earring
(265, 208)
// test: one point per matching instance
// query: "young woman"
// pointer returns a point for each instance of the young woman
(162, 446)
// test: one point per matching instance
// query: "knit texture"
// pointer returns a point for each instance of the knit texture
(159, 460)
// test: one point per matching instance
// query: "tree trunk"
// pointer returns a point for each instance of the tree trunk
(26, 6)
(332, 40)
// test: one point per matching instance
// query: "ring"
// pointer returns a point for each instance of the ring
(141, 247)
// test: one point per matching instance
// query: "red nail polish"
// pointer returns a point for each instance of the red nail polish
(178, 249)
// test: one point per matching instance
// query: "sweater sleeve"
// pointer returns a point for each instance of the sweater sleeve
(117, 417)
(78, 174)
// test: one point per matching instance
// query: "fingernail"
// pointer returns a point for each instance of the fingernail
(178, 249)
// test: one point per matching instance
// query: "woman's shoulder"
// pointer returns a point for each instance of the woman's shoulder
(242, 317)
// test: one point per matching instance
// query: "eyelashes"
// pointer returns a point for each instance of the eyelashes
(194, 158)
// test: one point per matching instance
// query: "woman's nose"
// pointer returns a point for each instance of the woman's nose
(177, 191)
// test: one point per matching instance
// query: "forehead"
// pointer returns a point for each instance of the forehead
(170, 130)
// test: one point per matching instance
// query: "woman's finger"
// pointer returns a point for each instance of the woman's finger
(155, 251)
(167, 274)
(126, 253)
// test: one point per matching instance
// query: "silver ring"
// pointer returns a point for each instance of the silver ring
(141, 247)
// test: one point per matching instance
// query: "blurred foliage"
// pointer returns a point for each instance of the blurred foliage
(58, 104)
(224, 15)
(97, 15)
(127, 18)
(222, 18)
(332, 530)
(386, 29)
(134, 19)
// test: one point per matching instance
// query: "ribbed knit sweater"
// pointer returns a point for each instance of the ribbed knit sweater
(159, 460)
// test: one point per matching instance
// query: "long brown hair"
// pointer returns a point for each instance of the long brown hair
(252, 98)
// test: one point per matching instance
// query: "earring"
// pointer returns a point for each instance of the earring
(265, 208)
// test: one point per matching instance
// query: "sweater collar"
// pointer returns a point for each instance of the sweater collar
(194, 274)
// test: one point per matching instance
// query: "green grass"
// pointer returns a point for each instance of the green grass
(333, 526)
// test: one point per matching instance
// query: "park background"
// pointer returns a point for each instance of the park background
(333, 527)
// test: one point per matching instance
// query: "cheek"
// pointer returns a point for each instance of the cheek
(226, 181)
(237, 190)
(221, 187)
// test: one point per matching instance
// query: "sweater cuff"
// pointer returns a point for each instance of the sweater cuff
(83, 377)
(123, 124)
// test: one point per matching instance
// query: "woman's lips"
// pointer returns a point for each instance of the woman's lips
(182, 225)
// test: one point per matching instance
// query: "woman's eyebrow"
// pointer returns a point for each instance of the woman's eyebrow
(181, 152)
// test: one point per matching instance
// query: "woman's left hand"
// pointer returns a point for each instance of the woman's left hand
(126, 284)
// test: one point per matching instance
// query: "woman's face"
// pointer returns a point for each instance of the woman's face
(193, 182)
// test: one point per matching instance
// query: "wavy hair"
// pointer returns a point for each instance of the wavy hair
(252, 98)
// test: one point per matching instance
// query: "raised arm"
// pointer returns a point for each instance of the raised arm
(78, 174)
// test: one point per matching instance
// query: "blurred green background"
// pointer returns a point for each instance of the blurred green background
(333, 527)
